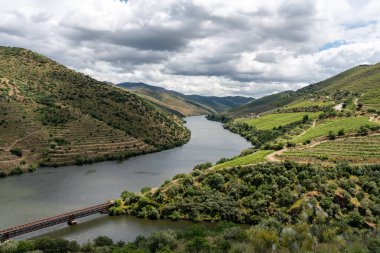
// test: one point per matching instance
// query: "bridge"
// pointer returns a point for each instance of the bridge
(68, 218)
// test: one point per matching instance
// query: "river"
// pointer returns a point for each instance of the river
(51, 191)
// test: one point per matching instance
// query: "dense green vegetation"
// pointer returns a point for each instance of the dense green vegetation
(185, 105)
(42, 101)
(342, 195)
(226, 238)
(333, 209)
(271, 121)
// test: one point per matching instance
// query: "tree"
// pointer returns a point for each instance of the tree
(161, 240)
(262, 240)
(102, 241)
(197, 245)
(216, 181)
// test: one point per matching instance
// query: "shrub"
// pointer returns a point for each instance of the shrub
(161, 240)
(216, 181)
(16, 151)
(16, 171)
(331, 135)
(145, 189)
(341, 132)
(363, 130)
(102, 241)
(290, 144)
(198, 244)
(203, 166)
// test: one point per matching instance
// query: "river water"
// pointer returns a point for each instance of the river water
(52, 191)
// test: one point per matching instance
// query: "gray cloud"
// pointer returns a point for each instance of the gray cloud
(208, 47)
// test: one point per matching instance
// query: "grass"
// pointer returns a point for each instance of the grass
(323, 128)
(279, 119)
(309, 103)
(258, 156)
(354, 149)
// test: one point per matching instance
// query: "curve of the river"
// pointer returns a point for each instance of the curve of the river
(51, 191)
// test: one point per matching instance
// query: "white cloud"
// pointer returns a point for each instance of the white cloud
(209, 47)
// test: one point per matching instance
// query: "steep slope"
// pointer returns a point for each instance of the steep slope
(52, 115)
(185, 104)
(263, 104)
(171, 101)
(361, 82)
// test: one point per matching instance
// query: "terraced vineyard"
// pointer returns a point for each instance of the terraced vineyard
(277, 119)
(52, 115)
(91, 142)
(19, 131)
(323, 128)
(305, 103)
(364, 149)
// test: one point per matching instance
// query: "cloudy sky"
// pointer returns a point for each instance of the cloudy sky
(239, 47)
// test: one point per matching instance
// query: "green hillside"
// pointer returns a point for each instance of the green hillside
(360, 85)
(185, 105)
(52, 115)
(263, 104)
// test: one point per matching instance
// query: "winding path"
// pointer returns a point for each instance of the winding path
(21, 139)
(272, 157)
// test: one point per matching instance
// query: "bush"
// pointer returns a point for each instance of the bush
(102, 241)
(58, 245)
(16, 171)
(162, 240)
(198, 244)
(341, 132)
(363, 130)
(203, 166)
(16, 151)
(216, 181)
(331, 135)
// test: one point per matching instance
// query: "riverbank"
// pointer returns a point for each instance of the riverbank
(52, 191)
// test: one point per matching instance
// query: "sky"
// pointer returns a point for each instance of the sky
(207, 47)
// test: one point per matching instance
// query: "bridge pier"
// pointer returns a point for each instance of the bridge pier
(72, 222)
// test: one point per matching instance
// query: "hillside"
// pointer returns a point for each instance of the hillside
(182, 104)
(361, 82)
(52, 115)
(257, 106)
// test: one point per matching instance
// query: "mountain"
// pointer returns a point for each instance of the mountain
(263, 104)
(52, 115)
(182, 104)
(361, 82)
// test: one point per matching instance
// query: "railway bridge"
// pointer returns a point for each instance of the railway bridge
(68, 218)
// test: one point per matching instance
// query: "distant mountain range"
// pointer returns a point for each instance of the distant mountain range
(185, 105)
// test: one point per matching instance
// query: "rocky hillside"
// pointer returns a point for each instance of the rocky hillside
(52, 115)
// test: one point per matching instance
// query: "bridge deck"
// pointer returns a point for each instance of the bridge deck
(36, 225)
